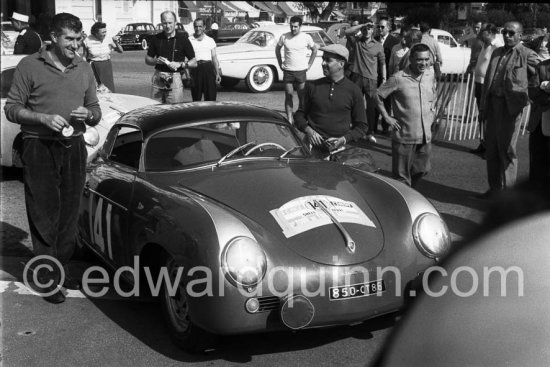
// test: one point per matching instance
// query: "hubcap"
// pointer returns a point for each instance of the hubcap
(261, 76)
(177, 303)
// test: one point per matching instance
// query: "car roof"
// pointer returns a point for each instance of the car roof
(283, 28)
(11, 61)
(140, 23)
(440, 31)
(158, 117)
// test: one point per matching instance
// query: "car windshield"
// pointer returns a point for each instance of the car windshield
(215, 143)
(258, 38)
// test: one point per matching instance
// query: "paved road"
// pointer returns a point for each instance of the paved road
(114, 331)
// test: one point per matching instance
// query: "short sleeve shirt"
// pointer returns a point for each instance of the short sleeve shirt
(295, 50)
(97, 50)
(413, 104)
(203, 49)
(176, 48)
(368, 57)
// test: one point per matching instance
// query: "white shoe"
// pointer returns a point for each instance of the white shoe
(371, 138)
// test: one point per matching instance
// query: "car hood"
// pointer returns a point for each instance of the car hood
(286, 199)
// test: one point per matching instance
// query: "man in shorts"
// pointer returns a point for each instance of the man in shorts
(296, 64)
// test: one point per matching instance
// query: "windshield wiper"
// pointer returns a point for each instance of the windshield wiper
(289, 151)
(234, 151)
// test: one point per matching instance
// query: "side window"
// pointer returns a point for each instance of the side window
(6, 79)
(453, 43)
(326, 39)
(316, 38)
(125, 146)
(444, 40)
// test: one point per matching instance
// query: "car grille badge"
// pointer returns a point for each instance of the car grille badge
(350, 243)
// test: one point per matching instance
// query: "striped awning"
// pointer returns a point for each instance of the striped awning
(260, 5)
(274, 8)
(191, 6)
(230, 10)
(243, 5)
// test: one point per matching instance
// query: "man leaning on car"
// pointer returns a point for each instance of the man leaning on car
(167, 53)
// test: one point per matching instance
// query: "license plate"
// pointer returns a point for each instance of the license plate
(356, 290)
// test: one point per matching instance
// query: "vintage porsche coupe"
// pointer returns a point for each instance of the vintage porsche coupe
(251, 233)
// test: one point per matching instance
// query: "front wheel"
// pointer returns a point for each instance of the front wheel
(175, 308)
(144, 44)
(260, 79)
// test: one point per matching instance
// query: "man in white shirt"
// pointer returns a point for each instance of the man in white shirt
(296, 64)
(492, 40)
(207, 75)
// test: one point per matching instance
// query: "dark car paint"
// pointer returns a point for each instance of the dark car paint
(127, 38)
(178, 212)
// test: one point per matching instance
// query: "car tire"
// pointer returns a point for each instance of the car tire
(228, 82)
(184, 333)
(144, 44)
(260, 78)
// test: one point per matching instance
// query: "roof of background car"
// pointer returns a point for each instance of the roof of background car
(153, 118)
(283, 28)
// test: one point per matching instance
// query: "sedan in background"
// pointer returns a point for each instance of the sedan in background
(113, 106)
(455, 57)
(249, 232)
(252, 58)
(137, 35)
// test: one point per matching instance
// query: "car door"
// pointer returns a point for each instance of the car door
(453, 56)
(105, 213)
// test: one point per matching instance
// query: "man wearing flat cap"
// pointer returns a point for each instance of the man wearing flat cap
(333, 112)
(28, 41)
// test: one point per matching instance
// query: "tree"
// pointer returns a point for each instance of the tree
(320, 10)
(498, 17)
(437, 15)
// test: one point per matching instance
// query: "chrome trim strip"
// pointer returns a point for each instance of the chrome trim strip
(350, 243)
(106, 198)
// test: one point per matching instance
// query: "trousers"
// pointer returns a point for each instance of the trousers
(54, 173)
(164, 93)
(502, 136)
(204, 80)
(410, 162)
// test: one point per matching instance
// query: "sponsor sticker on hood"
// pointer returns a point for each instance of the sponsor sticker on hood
(303, 214)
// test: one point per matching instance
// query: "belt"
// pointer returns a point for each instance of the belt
(204, 62)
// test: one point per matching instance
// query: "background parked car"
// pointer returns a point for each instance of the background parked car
(253, 59)
(137, 35)
(179, 28)
(9, 31)
(229, 32)
(7, 45)
(455, 57)
(112, 105)
(529, 34)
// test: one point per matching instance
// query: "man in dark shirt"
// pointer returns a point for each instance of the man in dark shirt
(28, 41)
(368, 63)
(53, 96)
(333, 112)
(168, 52)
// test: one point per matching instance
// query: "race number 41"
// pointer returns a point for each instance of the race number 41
(96, 225)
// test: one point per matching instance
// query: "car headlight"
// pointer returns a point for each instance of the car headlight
(431, 235)
(244, 261)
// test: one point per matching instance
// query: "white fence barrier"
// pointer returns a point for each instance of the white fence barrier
(457, 115)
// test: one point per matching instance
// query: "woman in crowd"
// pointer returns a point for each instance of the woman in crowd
(98, 53)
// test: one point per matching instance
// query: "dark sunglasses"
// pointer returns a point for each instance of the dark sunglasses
(509, 33)
(381, 26)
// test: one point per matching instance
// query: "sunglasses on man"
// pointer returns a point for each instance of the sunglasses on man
(381, 27)
(509, 33)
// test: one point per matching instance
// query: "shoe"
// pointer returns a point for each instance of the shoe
(371, 138)
(57, 297)
(479, 150)
(71, 284)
